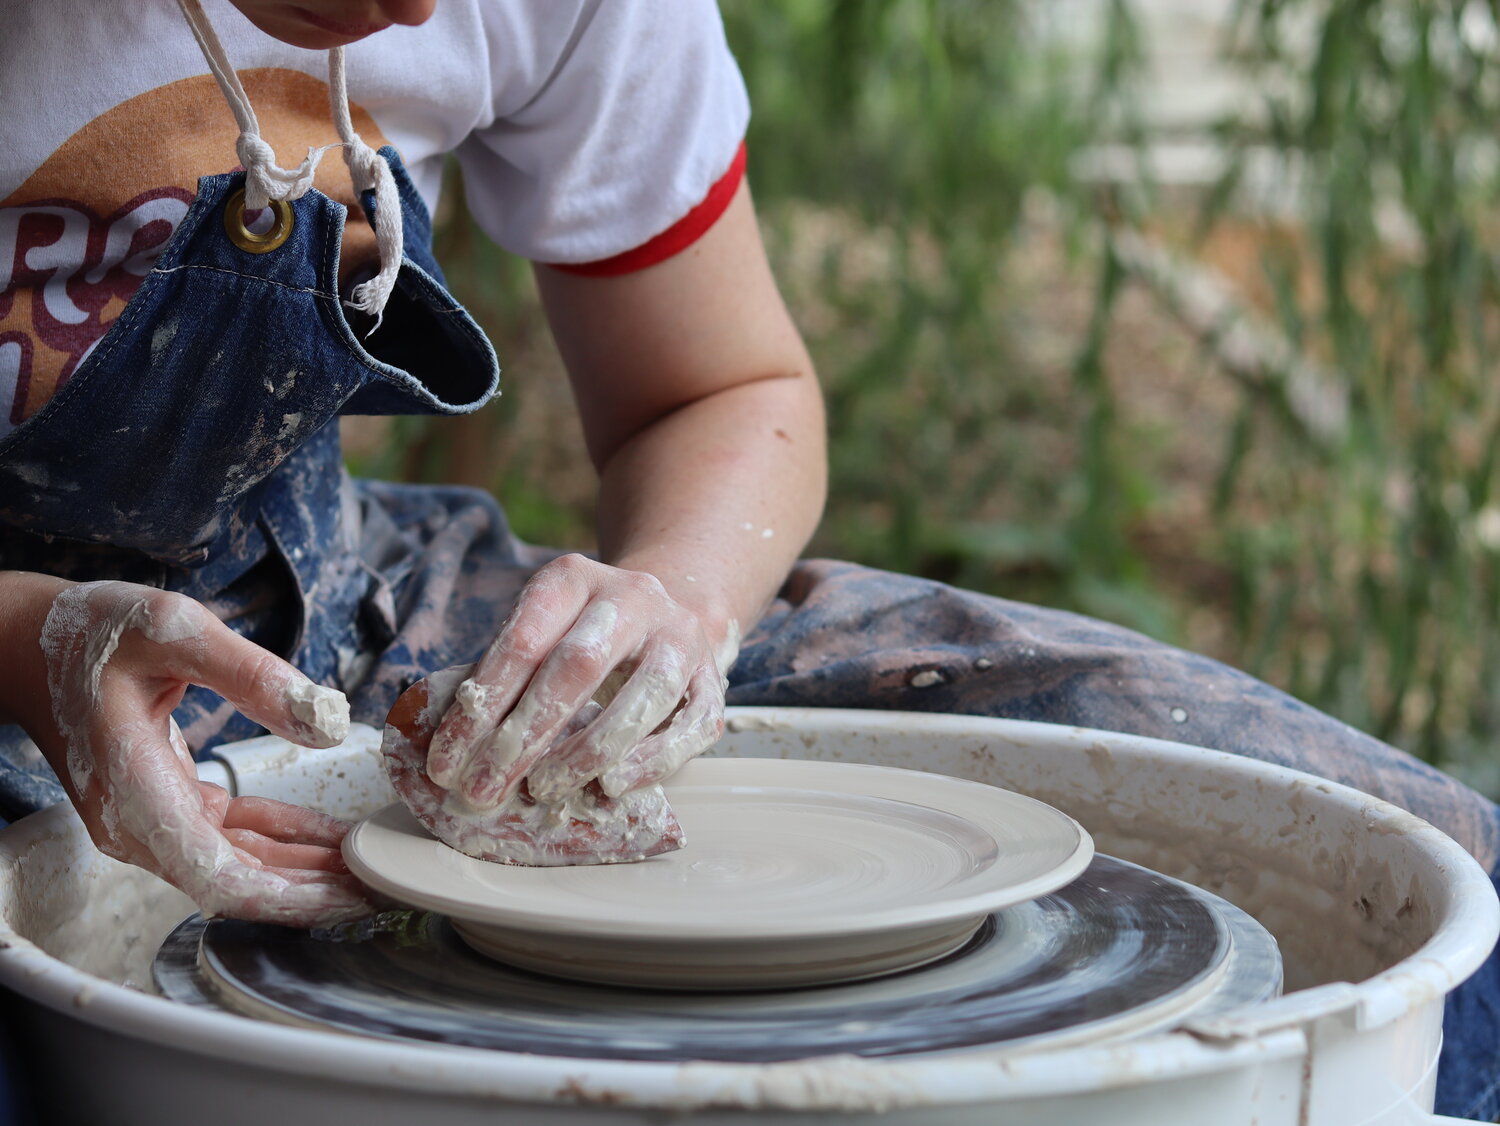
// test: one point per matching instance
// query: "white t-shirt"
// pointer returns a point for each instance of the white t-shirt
(585, 129)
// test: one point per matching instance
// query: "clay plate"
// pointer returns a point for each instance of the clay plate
(794, 873)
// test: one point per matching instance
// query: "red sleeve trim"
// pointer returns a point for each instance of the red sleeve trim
(676, 238)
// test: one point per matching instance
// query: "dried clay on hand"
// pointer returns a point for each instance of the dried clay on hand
(586, 827)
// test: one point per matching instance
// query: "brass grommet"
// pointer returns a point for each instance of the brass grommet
(246, 239)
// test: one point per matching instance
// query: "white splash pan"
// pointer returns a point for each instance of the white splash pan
(1378, 915)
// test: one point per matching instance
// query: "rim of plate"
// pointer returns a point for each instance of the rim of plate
(982, 806)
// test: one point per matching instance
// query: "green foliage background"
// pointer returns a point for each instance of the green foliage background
(1010, 407)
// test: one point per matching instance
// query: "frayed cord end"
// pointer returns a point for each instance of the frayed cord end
(370, 298)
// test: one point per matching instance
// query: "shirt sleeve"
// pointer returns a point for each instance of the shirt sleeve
(626, 140)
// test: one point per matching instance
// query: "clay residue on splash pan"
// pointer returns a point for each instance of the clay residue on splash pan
(584, 827)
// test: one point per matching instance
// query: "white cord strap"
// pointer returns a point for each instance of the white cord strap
(265, 180)
(370, 172)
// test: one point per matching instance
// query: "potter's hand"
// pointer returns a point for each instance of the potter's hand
(118, 658)
(598, 673)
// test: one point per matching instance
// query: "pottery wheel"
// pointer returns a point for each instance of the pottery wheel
(796, 873)
(1119, 951)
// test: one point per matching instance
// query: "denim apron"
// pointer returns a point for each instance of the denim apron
(196, 448)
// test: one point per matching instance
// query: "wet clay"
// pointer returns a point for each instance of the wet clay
(586, 826)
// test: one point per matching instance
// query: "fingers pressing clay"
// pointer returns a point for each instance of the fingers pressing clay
(543, 615)
(586, 827)
(598, 686)
(697, 725)
(647, 700)
(567, 680)
(695, 728)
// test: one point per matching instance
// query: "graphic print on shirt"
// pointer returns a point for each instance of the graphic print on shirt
(82, 232)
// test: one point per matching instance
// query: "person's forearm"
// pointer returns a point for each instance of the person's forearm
(700, 411)
(718, 498)
(703, 416)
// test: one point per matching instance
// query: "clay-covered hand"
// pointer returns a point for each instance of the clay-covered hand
(118, 658)
(589, 827)
(597, 674)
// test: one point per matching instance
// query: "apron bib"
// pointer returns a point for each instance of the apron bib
(196, 448)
